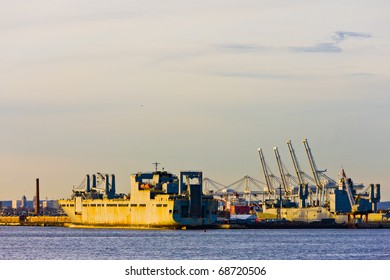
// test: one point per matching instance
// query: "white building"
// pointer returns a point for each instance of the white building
(16, 204)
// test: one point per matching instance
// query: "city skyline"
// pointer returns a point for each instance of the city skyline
(92, 86)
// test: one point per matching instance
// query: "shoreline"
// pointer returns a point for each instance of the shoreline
(63, 221)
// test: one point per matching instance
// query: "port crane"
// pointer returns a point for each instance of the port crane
(297, 168)
(316, 174)
(242, 186)
(267, 176)
(348, 185)
(217, 187)
(303, 185)
(282, 172)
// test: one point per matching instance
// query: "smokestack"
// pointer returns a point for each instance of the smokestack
(88, 183)
(93, 181)
(107, 184)
(37, 197)
(372, 192)
(113, 184)
(378, 192)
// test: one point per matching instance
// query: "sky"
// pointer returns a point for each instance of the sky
(111, 87)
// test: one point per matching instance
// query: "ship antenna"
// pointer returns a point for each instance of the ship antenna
(156, 165)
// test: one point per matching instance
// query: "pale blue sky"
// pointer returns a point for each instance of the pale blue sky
(217, 80)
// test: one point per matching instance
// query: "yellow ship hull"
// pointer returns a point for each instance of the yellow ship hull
(156, 200)
(158, 213)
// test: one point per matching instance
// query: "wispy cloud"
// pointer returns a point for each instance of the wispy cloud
(362, 75)
(322, 48)
(334, 45)
(339, 36)
(236, 47)
(254, 75)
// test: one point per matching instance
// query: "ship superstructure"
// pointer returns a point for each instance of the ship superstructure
(157, 199)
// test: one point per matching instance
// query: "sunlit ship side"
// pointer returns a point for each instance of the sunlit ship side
(157, 200)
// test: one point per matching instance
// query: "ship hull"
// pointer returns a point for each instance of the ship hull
(156, 200)
(160, 213)
(309, 214)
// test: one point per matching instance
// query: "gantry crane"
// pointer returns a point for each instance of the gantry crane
(316, 173)
(268, 182)
(303, 186)
(281, 171)
(295, 163)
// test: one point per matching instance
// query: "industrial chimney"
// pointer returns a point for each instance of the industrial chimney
(113, 191)
(107, 185)
(88, 183)
(37, 197)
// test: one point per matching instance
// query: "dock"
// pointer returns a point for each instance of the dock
(58, 221)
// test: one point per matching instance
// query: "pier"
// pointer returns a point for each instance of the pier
(58, 221)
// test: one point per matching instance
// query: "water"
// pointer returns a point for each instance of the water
(58, 243)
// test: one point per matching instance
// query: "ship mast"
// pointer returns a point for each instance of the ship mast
(156, 165)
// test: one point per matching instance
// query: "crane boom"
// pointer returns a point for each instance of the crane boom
(320, 188)
(312, 164)
(295, 162)
(344, 180)
(281, 171)
(265, 172)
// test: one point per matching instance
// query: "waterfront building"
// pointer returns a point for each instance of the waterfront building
(23, 202)
(50, 204)
(16, 204)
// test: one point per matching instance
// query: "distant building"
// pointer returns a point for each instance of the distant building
(16, 204)
(23, 202)
(6, 204)
(53, 204)
(34, 202)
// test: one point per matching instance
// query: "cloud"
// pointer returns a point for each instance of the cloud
(242, 47)
(339, 36)
(321, 48)
(334, 45)
(362, 75)
(266, 76)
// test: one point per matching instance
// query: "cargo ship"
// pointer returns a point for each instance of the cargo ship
(157, 199)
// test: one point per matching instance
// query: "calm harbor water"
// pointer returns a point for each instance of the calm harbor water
(58, 243)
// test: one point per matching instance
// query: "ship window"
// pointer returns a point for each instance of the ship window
(123, 205)
(158, 205)
(85, 204)
(170, 211)
(93, 204)
(71, 205)
(165, 205)
(142, 205)
(133, 205)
